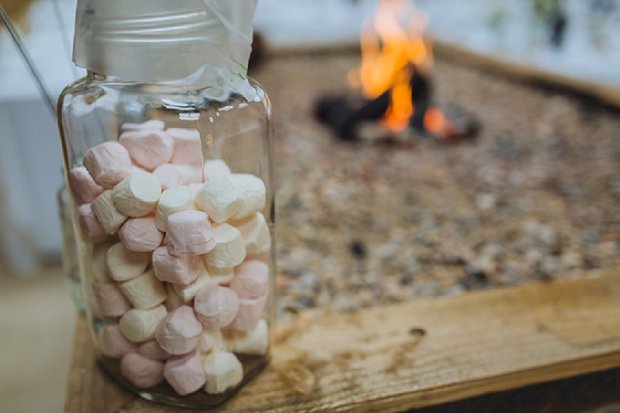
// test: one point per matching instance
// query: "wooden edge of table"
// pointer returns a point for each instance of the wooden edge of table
(375, 360)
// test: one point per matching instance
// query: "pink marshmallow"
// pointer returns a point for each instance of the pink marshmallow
(89, 224)
(140, 371)
(177, 270)
(250, 312)
(152, 350)
(168, 176)
(216, 306)
(215, 168)
(178, 333)
(251, 279)
(140, 234)
(189, 233)
(152, 124)
(110, 299)
(113, 343)
(84, 187)
(108, 163)
(187, 146)
(148, 148)
(185, 374)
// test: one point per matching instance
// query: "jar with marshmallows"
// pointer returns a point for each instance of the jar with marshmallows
(167, 154)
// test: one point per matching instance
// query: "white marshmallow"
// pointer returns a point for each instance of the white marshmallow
(151, 124)
(194, 188)
(253, 193)
(137, 195)
(215, 168)
(229, 250)
(108, 216)
(223, 370)
(211, 340)
(124, 265)
(220, 276)
(98, 269)
(91, 229)
(173, 300)
(135, 169)
(255, 233)
(253, 342)
(145, 291)
(172, 200)
(191, 173)
(140, 325)
(187, 292)
(219, 198)
(168, 176)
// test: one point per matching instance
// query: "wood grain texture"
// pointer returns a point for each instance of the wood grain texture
(369, 361)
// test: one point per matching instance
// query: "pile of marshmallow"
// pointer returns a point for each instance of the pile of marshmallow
(178, 270)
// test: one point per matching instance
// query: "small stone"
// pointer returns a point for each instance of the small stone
(358, 249)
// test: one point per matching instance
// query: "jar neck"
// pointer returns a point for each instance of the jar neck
(99, 77)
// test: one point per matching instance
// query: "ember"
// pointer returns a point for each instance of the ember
(392, 84)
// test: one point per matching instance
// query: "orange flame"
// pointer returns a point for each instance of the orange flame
(392, 47)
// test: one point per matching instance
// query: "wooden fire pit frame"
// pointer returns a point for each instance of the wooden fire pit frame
(604, 93)
(422, 353)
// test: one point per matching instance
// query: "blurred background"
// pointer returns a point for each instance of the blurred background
(424, 148)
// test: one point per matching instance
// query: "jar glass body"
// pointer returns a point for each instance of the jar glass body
(178, 288)
(70, 265)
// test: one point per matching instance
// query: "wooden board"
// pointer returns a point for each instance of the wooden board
(488, 62)
(494, 64)
(373, 361)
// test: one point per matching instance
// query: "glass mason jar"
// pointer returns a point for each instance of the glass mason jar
(69, 249)
(172, 201)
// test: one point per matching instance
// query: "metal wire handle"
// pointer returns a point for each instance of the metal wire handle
(38, 79)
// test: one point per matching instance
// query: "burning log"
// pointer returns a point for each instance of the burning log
(394, 82)
(346, 113)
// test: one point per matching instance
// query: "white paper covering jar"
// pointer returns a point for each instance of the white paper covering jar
(167, 151)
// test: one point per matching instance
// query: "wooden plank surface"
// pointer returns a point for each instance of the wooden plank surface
(370, 361)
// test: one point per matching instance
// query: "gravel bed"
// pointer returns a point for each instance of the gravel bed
(535, 196)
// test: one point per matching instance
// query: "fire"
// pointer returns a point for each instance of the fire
(435, 121)
(393, 46)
